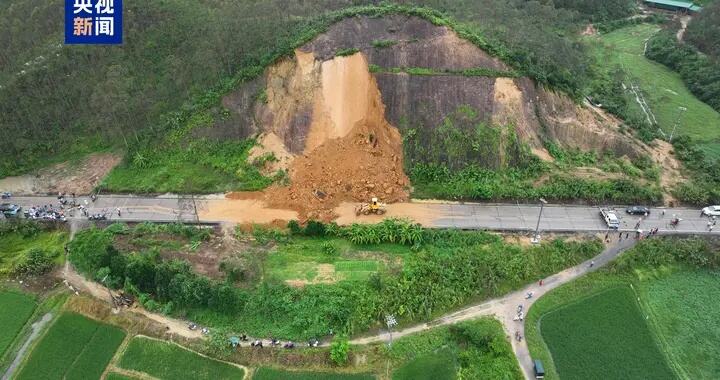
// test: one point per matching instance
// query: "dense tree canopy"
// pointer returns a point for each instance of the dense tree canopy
(704, 30)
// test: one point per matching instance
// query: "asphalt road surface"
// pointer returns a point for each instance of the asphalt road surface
(501, 217)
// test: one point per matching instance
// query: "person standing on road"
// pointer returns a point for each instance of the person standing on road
(118, 212)
(592, 263)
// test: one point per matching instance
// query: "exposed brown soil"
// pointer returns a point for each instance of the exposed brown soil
(589, 30)
(79, 178)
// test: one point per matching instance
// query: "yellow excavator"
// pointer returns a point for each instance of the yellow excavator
(374, 207)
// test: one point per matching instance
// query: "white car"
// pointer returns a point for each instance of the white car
(711, 211)
(610, 218)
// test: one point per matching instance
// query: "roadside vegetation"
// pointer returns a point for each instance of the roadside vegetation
(679, 321)
(477, 349)
(74, 347)
(29, 248)
(165, 360)
(441, 270)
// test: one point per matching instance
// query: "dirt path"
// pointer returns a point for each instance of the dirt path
(77, 283)
(505, 308)
(684, 21)
(36, 328)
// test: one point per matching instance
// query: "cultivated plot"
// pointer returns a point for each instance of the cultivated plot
(165, 360)
(604, 336)
(275, 374)
(75, 347)
(15, 309)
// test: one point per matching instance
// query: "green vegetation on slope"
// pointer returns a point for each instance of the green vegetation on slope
(265, 373)
(74, 348)
(445, 270)
(163, 67)
(663, 89)
(15, 309)
(603, 336)
(168, 361)
(21, 238)
(703, 31)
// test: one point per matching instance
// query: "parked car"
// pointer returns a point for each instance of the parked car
(711, 211)
(611, 218)
(10, 210)
(539, 369)
(638, 210)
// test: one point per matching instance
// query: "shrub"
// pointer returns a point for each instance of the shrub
(37, 262)
(339, 351)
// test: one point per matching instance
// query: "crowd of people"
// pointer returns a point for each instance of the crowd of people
(46, 212)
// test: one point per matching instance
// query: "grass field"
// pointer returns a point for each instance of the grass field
(438, 365)
(662, 88)
(603, 336)
(168, 361)
(275, 374)
(14, 247)
(15, 309)
(685, 310)
(331, 260)
(74, 348)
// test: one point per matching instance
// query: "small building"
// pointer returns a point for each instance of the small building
(673, 5)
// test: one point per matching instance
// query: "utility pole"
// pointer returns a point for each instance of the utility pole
(677, 122)
(536, 237)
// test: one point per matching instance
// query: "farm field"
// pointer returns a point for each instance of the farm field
(117, 376)
(662, 88)
(75, 347)
(684, 308)
(275, 374)
(440, 365)
(603, 336)
(15, 309)
(15, 246)
(164, 360)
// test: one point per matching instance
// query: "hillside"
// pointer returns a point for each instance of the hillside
(61, 102)
(332, 111)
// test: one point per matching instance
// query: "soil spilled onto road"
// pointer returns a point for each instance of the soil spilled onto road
(350, 153)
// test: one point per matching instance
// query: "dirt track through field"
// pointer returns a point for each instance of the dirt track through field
(36, 329)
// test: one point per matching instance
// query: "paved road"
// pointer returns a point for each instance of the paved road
(505, 307)
(508, 217)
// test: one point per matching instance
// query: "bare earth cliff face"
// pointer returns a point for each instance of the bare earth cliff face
(336, 127)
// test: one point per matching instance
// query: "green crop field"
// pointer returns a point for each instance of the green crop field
(15, 309)
(604, 336)
(439, 365)
(75, 347)
(662, 88)
(168, 361)
(274, 374)
(117, 376)
(686, 312)
(14, 247)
